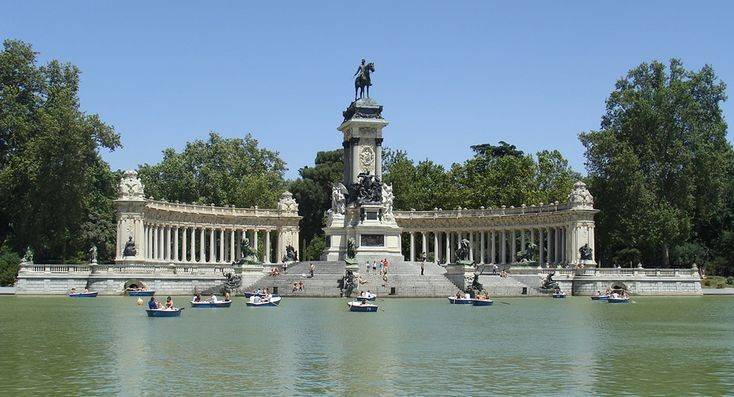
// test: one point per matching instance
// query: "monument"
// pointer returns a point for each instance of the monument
(361, 205)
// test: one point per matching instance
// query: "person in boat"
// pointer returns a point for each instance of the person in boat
(197, 297)
(227, 297)
(597, 293)
(86, 290)
(169, 303)
(458, 295)
(73, 290)
(153, 304)
(213, 298)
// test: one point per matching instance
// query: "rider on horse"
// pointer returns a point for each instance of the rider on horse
(363, 78)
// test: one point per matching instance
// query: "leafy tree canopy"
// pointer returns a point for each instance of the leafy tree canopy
(55, 190)
(219, 171)
(660, 164)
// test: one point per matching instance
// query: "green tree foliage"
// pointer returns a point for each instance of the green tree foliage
(660, 164)
(55, 190)
(495, 176)
(9, 264)
(313, 193)
(219, 171)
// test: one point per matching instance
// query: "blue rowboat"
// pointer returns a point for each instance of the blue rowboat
(274, 301)
(618, 300)
(211, 304)
(362, 307)
(482, 302)
(132, 292)
(599, 297)
(460, 301)
(250, 294)
(164, 312)
(83, 294)
(559, 296)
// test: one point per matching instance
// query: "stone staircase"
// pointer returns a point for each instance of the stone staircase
(324, 282)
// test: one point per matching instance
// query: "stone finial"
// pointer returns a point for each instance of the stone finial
(580, 198)
(131, 188)
(287, 203)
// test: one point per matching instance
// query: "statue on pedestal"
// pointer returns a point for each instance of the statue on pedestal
(249, 256)
(290, 254)
(28, 257)
(549, 283)
(339, 199)
(528, 254)
(129, 249)
(350, 258)
(93, 254)
(462, 253)
(362, 82)
(586, 253)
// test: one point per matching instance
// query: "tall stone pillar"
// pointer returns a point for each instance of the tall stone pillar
(266, 256)
(513, 249)
(493, 249)
(436, 251)
(481, 247)
(448, 247)
(548, 245)
(202, 246)
(212, 246)
(175, 244)
(503, 246)
(130, 210)
(412, 246)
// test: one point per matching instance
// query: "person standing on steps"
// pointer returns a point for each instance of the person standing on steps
(423, 262)
(311, 269)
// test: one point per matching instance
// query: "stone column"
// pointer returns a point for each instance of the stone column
(503, 246)
(522, 240)
(448, 247)
(471, 247)
(541, 256)
(266, 257)
(232, 249)
(221, 245)
(254, 240)
(212, 246)
(184, 244)
(202, 247)
(548, 245)
(158, 242)
(493, 248)
(481, 247)
(436, 251)
(424, 242)
(346, 151)
(513, 248)
(355, 158)
(412, 246)
(378, 162)
(175, 244)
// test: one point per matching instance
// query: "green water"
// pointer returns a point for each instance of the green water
(536, 346)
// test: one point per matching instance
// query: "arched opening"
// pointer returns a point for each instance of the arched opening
(134, 284)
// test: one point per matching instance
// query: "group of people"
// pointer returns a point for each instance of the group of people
(154, 304)
(212, 299)
(617, 293)
(261, 296)
(297, 286)
(274, 272)
(73, 290)
(383, 265)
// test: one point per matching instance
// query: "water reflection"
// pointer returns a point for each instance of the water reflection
(412, 346)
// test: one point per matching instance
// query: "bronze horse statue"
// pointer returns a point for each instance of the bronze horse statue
(363, 80)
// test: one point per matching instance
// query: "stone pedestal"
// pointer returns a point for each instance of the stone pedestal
(371, 225)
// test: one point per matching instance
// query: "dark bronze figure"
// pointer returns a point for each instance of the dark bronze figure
(362, 82)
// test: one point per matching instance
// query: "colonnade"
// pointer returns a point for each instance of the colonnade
(498, 246)
(203, 244)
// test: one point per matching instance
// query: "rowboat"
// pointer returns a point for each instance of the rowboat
(274, 301)
(482, 302)
(147, 292)
(211, 304)
(367, 297)
(559, 295)
(83, 294)
(250, 294)
(618, 300)
(164, 312)
(460, 301)
(361, 306)
(599, 297)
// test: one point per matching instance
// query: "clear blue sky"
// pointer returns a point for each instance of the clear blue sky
(449, 74)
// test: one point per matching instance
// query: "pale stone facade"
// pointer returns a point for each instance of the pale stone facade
(165, 232)
(371, 225)
(498, 234)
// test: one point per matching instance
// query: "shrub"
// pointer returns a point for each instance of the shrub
(9, 264)
(720, 285)
(730, 280)
(706, 283)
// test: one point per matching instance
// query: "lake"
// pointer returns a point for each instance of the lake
(531, 346)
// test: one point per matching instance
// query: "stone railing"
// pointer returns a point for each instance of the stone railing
(183, 270)
(603, 272)
(199, 209)
(482, 212)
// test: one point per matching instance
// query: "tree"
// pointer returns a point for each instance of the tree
(219, 171)
(421, 187)
(313, 193)
(52, 179)
(659, 165)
